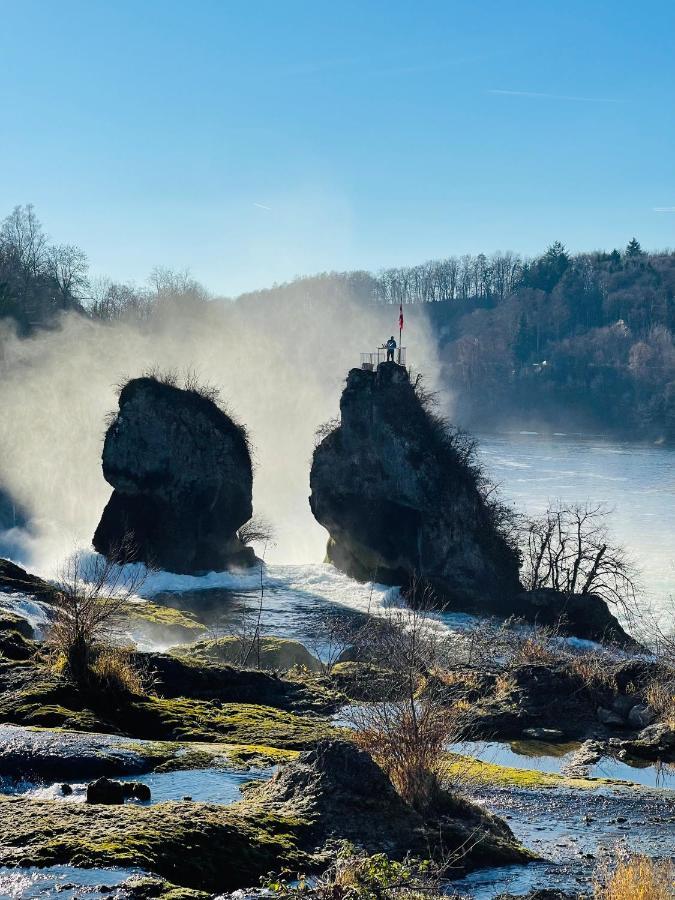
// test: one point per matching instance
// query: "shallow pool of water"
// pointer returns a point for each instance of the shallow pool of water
(212, 785)
(69, 882)
(573, 831)
(553, 758)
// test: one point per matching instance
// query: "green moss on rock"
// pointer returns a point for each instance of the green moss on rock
(266, 653)
(207, 847)
(161, 624)
(145, 887)
(470, 771)
(183, 719)
(11, 622)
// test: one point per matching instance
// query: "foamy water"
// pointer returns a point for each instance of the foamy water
(636, 481)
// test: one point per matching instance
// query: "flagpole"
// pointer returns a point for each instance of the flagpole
(400, 331)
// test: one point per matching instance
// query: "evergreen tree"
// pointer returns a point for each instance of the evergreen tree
(633, 248)
(547, 271)
(523, 344)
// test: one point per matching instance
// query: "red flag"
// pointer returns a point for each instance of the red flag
(400, 317)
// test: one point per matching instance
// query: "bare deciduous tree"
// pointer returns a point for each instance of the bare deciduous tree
(68, 266)
(570, 549)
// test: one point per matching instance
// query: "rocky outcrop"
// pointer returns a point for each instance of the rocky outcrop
(656, 742)
(399, 498)
(14, 579)
(105, 791)
(182, 478)
(345, 796)
(46, 754)
(585, 616)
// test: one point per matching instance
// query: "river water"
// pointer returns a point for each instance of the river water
(635, 481)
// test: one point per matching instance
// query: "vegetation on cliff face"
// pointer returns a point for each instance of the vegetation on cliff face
(402, 498)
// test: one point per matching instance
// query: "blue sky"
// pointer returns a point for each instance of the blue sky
(251, 142)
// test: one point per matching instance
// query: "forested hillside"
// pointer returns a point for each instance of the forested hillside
(562, 341)
(579, 342)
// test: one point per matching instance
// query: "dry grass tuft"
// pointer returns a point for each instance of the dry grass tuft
(115, 672)
(660, 696)
(638, 878)
(593, 670)
(535, 650)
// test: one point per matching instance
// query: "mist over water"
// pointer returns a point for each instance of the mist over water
(280, 369)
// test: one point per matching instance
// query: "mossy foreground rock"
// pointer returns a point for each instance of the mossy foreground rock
(197, 845)
(181, 470)
(335, 791)
(399, 499)
(344, 795)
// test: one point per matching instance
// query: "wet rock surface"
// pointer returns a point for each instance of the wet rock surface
(15, 579)
(110, 792)
(67, 755)
(182, 478)
(656, 742)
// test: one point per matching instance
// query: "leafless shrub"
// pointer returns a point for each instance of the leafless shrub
(168, 377)
(193, 383)
(495, 644)
(570, 550)
(325, 429)
(256, 531)
(90, 597)
(503, 646)
(332, 636)
(407, 734)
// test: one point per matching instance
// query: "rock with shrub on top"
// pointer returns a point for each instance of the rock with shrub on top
(182, 478)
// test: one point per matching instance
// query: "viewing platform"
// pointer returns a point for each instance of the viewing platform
(370, 361)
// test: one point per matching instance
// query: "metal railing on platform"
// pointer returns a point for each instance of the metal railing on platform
(370, 361)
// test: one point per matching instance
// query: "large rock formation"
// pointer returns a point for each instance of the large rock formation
(182, 478)
(400, 500)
